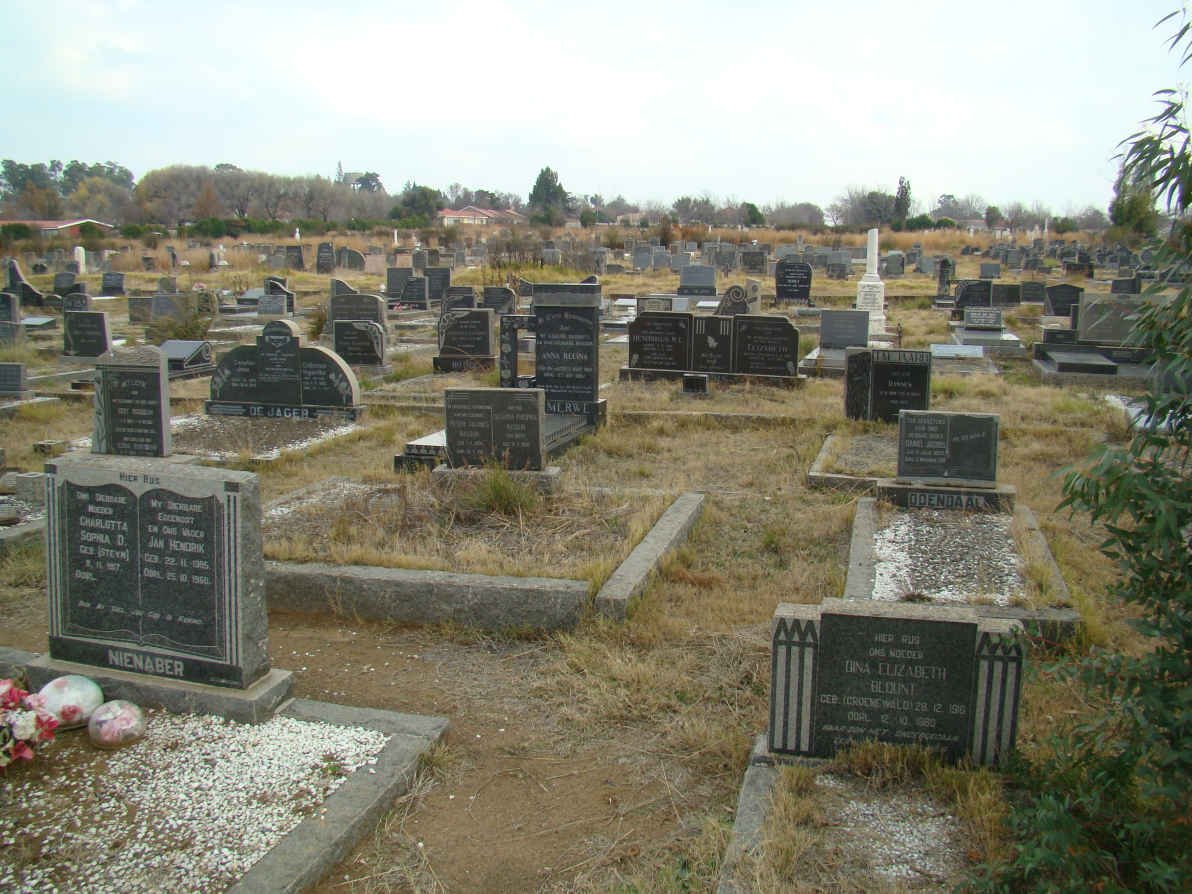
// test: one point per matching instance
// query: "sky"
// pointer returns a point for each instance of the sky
(751, 101)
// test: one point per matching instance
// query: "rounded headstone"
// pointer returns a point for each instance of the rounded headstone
(72, 699)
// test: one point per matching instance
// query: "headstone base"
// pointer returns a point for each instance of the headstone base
(254, 704)
(277, 411)
(441, 364)
(633, 374)
(908, 495)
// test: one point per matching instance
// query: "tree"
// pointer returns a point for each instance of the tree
(993, 216)
(751, 215)
(1108, 810)
(1133, 205)
(369, 181)
(101, 199)
(902, 200)
(548, 199)
(417, 206)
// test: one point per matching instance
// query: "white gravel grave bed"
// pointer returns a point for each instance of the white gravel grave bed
(190, 808)
(943, 556)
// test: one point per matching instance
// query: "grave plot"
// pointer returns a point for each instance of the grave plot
(492, 525)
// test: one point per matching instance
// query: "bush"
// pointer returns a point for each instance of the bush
(209, 228)
(132, 231)
(11, 232)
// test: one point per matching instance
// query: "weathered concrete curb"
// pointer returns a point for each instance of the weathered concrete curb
(630, 579)
(753, 805)
(1050, 624)
(425, 597)
(818, 478)
(17, 534)
(306, 854)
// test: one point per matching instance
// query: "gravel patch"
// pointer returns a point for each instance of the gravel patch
(902, 837)
(948, 557)
(190, 808)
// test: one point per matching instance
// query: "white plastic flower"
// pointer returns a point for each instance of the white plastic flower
(25, 725)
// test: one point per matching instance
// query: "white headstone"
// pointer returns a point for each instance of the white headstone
(80, 256)
(871, 291)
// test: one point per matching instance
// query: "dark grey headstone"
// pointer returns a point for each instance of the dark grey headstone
(792, 282)
(753, 262)
(660, 341)
(467, 334)
(901, 380)
(12, 379)
(1033, 292)
(85, 333)
(765, 345)
(1130, 285)
(1004, 294)
(339, 287)
(502, 425)
(990, 271)
(10, 307)
(75, 301)
(499, 299)
(567, 355)
(1108, 319)
(844, 328)
(947, 448)
(1061, 298)
(356, 306)
(188, 355)
(415, 293)
(325, 258)
(359, 342)
(858, 375)
(112, 284)
(155, 567)
(349, 259)
(437, 281)
(395, 280)
(983, 318)
(974, 293)
(295, 259)
(132, 404)
(63, 283)
(712, 344)
(698, 280)
(459, 298)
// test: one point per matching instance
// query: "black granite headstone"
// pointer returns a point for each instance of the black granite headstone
(974, 293)
(712, 344)
(660, 341)
(395, 281)
(85, 334)
(112, 284)
(765, 345)
(1033, 292)
(465, 335)
(500, 299)
(414, 292)
(359, 342)
(437, 281)
(901, 380)
(501, 425)
(792, 281)
(1061, 298)
(858, 373)
(295, 259)
(1005, 294)
(325, 258)
(844, 328)
(942, 448)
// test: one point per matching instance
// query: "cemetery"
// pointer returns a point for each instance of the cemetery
(475, 519)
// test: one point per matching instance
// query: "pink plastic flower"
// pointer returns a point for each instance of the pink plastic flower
(21, 751)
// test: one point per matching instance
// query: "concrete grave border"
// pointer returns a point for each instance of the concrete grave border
(1052, 624)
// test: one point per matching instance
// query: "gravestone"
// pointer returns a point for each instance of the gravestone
(156, 567)
(792, 282)
(13, 383)
(499, 299)
(28, 296)
(843, 328)
(325, 258)
(1107, 319)
(858, 381)
(753, 262)
(1004, 294)
(990, 271)
(414, 292)
(85, 333)
(132, 404)
(281, 378)
(112, 284)
(395, 280)
(1061, 298)
(643, 257)
(295, 259)
(1033, 292)
(735, 301)
(901, 380)
(1130, 285)
(660, 341)
(75, 301)
(698, 279)
(942, 677)
(871, 291)
(944, 280)
(359, 342)
(502, 425)
(983, 318)
(765, 345)
(437, 281)
(356, 306)
(173, 306)
(10, 308)
(349, 259)
(948, 448)
(63, 283)
(567, 325)
(895, 264)
(465, 340)
(459, 298)
(271, 305)
(712, 344)
(418, 259)
(973, 293)
(188, 357)
(339, 287)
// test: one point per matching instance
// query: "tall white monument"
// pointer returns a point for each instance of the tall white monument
(871, 291)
